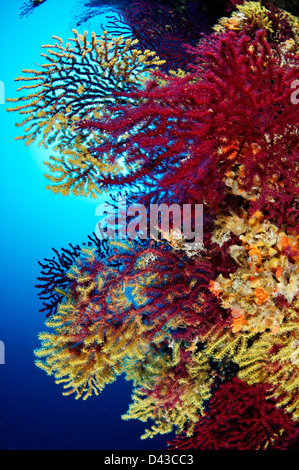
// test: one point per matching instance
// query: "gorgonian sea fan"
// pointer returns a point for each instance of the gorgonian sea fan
(114, 307)
(77, 81)
(177, 285)
(239, 418)
(164, 26)
(187, 133)
(53, 281)
(29, 6)
(158, 28)
(176, 384)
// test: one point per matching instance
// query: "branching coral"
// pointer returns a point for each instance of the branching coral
(53, 277)
(117, 307)
(85, 355)
(179, 385)
(87, 330)
(165, 26)
(280, 26)
(291, 6)
(27, 8)
(77, 82)
(162, 29)
(273, 359)
(169, 134)
(54, 281)
(240, 418)
(173, 395)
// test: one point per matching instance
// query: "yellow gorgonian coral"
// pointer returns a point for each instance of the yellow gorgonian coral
(252, 16)
(76, 83)
(85, 366)
(274, 359)
(173, 386)
(166, 394)
(87, 345)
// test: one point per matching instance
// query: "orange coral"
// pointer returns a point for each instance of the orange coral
(278, 273)
(215, 288)
(290, 246)
(238, 323)
(255, 256)
(261, 296)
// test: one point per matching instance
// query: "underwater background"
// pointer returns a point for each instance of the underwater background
(33, 412)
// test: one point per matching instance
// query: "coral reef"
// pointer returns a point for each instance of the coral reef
(206, 332)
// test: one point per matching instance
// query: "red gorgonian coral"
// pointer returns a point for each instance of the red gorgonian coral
(163, 26)
(233, 110)
(239, 417)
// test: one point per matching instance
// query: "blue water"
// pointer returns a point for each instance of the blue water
(33, 412)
